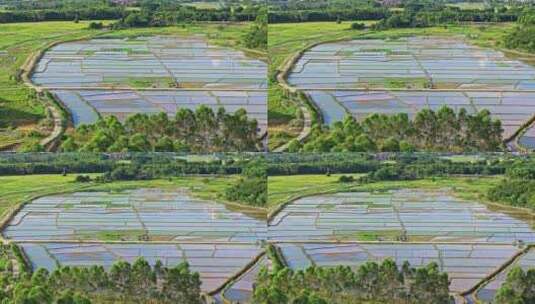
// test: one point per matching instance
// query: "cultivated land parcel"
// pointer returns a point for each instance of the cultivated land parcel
(167, 220)
(444, 220)
(74, 65)
(394, 71)
(190, 72)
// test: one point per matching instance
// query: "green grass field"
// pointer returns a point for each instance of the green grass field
(469, 5)
(282, 189)
(18, 189)
(286, 39)
(22, 116)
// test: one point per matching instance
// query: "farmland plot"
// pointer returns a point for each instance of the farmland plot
(398, 215)
(406, 75)
(121, 77)
(149, 61)
(488, 291)
(241, 291)
(100, 228)
(139, 215)
(414, 62)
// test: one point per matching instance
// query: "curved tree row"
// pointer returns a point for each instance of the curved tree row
(201, 130)
(443, 130)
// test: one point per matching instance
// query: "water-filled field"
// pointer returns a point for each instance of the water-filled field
(85, 105)
(409, 74)
(413, 62)
(156, 61)
(138, 215)
(465, 264)
(216, 263)
(528, 138)
(241, 291)
(397, 215)
(121, 77)
(514, 109)
(488, 291)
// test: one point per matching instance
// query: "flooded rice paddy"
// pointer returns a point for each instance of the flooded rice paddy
(397, 215)
(406, 75)
(180, 61)
(216, 263)
(465, 264)
(466, 239)
(100, 228)
(442, 63)
(528, 138)
(241, 291)
(122, 77)
(138, 215)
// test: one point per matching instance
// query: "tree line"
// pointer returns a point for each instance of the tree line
(370, 283)
(67, 14)
(145, 13)
(425, 18)
(122, 165)
(123, 283)
(200, 131)
(411, 165)
(443, 130)
(409, 13)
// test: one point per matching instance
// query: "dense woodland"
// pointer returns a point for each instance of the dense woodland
(201, 131)
(518, 188)
(251, 188)
(444, 130)
(123, 283)
(523, 36)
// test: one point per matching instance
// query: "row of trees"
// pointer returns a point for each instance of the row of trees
(166, 13)
(425, 18)
(409, 13)
(443, 130)
(145, 13)
(370, 283)
(123, 283)
(201, 130)
(361, 13)
(416, 165)
(65, 14)
(155, 164)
